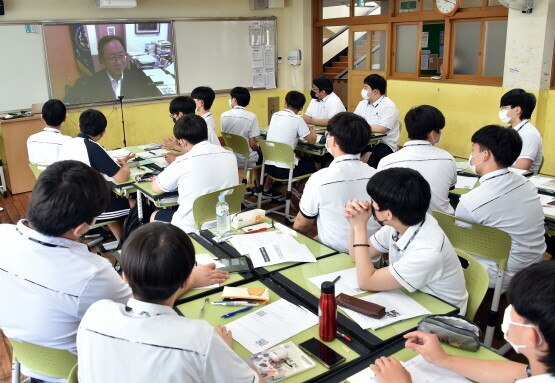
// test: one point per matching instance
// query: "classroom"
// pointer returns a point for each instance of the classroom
(462, 62)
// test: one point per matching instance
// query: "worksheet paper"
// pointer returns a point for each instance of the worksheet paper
(398, 306)
(271, 325)
(204, 259)
(540, 181)
(118, 153)
(347, 284)
(243, 243)
(466, 182)
(276, 253)
(545, 201)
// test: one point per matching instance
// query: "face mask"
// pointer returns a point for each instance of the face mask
(328, 148)
(437, 142)
(505, 328)
(313, 95)
(381, 223)
(229, 102)
(364, 94)
(503, 116)
(473, 167)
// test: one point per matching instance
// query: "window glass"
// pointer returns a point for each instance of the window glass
(494, 48)
(377, 45)
(428, 5)
(371, 8)
(359, 50)
(471, 3)
(467, 45)
(405, 52)
(332, 9)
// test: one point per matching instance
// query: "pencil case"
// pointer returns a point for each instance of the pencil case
(360, 306)
(455, 330)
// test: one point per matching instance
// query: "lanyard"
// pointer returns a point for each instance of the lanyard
(411, 238)
(498, 175)
(521, 126)
(39, 241)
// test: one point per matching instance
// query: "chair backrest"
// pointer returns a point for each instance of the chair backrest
(277, 151)
(237, 143)
(484, 241)
(204, 207)
(477, 282)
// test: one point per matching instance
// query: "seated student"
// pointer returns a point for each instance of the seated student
(527, 326)
(43, 147)
(85, 148)
(382, 116)
(504, 200)
(324, 104)
(204, 97)
(202, 169)
(144, 339)
(420, 254)
(424, 126)
(516, 109)
(49, 279)
(286, 126)
(328, 190)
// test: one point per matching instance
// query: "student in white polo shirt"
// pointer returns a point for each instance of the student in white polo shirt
(48, 278)
(43, 147)
(328, 190)
(202, 169)
(420, 254)
(382, 116)
(324, 104)
(146, 340)
(504, 200)
(204, 98)
(424, 125)
(516, 109)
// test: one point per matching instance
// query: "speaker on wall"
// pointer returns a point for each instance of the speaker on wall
(265, 4)
(2, 8)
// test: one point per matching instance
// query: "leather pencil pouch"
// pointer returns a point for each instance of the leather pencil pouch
(455, 330)
(361, 306)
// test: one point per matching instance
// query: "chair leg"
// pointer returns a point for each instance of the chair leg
(504, 349)
(493, 318)
(260, 188)
(16, 372)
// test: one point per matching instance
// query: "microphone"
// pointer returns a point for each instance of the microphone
(120, 98)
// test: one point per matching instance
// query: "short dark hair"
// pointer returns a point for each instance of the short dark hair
(66, 194)
(519, 97)
(323, 83)
(183, 104)
(295, 100)
(204, 93)
(403, 191)
(532, 294)
(423, 119)
(92, 122)
(375, 81)
(156, 259)
(242, 95)
(351, 132)
(105, 40)
(504, 143)
(192, 128)
(54, 112)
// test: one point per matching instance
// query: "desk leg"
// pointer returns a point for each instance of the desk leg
(140, 206)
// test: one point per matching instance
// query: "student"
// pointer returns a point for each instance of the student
(203, 168)
(424, 126)
(85, 148)
(286, 126)
(516, 109)
(144, 339)
(324, 104)
(328, 190)
(48, 278)
(204, 98)
(504, 200)
(43, 147)
(420, 254)
(527, 326)
(382, 116)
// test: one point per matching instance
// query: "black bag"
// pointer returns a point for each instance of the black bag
(132, 221)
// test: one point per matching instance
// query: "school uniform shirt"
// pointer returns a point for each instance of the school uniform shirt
(212, 137)
(544, 378)
(509, 202)
(147, 342)
(241, 122)
(326, 193)
(532, 144)
(286, 127)
(437, 166)
(82, 148)
(203, 169)
(47, 284)
(422, 258)
(43, 147)
(325, 108)
(382, 112)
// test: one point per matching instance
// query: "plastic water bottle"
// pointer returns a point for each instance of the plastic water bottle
(222, 216)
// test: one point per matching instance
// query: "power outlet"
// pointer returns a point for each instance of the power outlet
(273, 106)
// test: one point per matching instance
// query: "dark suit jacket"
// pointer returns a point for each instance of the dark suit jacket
(97, 88)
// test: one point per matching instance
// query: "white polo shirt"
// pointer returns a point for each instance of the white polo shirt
(241, 122)
(286, 127)
(146, 342)
(437, 166)
(325, 108)
(382, 112)
(544, 378)
(326, 193)
(532, 144)
(203, 169)
(43, 147)
(509, 202)
(422, 258)
(48, 283)
(212, 136)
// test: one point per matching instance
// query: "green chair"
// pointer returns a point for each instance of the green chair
(279, 152)
(486, 242)
(204, 207)
(477, 282)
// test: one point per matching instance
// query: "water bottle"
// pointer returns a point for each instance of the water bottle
(222, 216)
(327, 312)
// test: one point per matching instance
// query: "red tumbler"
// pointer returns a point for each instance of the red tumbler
(327, 312)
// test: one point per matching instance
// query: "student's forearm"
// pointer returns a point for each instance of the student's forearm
(485, 371)
(523, 163)
(351, 241)
(364, 265)
(302, 224)
(122, 175)
(311, 137)
(156, 187)
(320, 121)
(378, 129)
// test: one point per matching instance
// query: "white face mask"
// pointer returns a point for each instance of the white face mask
(364, 94)
(507, 322)
(503, 116)
(229, 102)
(326, 146)
(473, 167)
(437, 142)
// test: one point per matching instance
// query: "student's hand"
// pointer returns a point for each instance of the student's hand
(170, 157)
(426, 345)
(357, 212)
(307, 118)
(206, 275)
(225, 334)
(389, 370)
(171, 143)
(126, 158)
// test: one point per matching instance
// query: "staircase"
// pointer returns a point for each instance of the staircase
(334, 68)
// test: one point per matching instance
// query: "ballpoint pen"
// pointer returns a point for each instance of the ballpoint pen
(341, 335)
(203, 307)
(229, 315)
(255, 231)
(336, 279)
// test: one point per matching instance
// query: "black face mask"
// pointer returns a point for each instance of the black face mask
(313, 95)
(381, 223)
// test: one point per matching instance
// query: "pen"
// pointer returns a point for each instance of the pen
(255, 231)
(203, 307)
(229, 315)
(341, 335)
(336, 279)
(235, 303)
